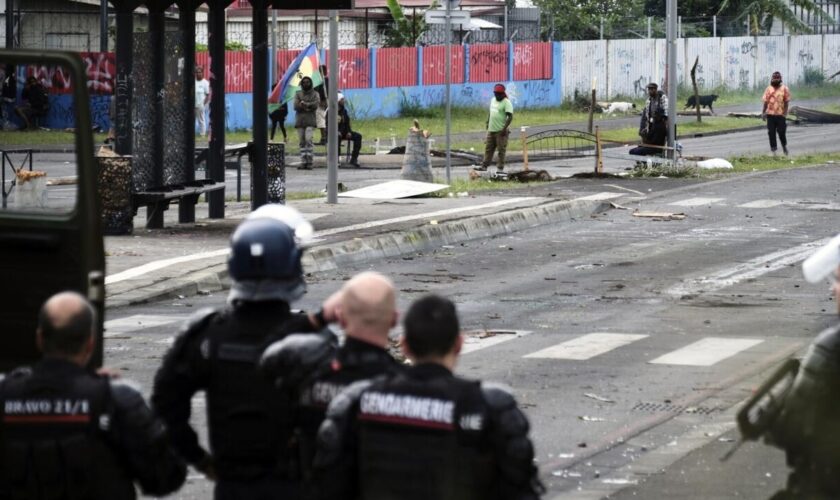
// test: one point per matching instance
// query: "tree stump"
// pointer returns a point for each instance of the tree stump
(416, 164)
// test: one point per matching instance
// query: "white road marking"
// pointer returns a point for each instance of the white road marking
(762, 204)
(139, 322)
(748, 270)
(706, 352)
(625, 189)
(472, 344)
(606, 195)
(161, 264)
(696, 202)
(587, 346)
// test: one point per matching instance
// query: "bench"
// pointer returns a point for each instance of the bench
(157, 200)
(232, 151)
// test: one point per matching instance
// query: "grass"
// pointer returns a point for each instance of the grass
(43, 137)
(472, 186)
(742, 164)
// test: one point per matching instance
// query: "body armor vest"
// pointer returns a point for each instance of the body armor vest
(56, 438)
(809, 426)
(422, 439)
(249, 420)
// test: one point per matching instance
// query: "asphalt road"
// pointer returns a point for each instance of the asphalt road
(627, 340)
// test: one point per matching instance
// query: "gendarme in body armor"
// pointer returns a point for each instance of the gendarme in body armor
(314, 369)
(424, 433)
(68, 433)
(249, 421)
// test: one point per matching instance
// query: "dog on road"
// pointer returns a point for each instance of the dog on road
(619, 107)
(705, 102)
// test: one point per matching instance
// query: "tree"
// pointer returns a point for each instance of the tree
(760, 13)
(406, 30)
(581, 20)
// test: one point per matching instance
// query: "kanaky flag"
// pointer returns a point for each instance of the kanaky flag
(306, 63)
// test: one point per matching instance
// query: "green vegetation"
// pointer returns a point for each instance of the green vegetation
(42, 137)
(472, 186)
(756, 163)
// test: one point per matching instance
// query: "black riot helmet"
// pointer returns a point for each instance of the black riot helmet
(264, 262)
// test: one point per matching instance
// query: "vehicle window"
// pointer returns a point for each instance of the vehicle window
(37, 140)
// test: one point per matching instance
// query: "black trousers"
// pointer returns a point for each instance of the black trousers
(776, 124)
(274, 125)
(357, 146)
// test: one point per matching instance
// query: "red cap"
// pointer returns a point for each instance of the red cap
(499, 88)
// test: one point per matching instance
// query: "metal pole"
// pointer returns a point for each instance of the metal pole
(714, 26)
(672, 73)
(123, 85)
(650, 32)
(157, 26)
(103, 26)
(506, 22)
(332, 113)
(272, 69)
(216, 148)
(601, 36)
(10, 24)
(448, 103)
(679, 27)
(186, 20)
(259, 54)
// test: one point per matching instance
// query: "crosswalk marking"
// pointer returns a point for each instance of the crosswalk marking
(587, 346)
(762, 204)
(140, 322)
(695, 202)
(476, 343)
(706, 352)
(606, 195)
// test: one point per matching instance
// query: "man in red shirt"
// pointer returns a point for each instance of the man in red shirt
(776, 100)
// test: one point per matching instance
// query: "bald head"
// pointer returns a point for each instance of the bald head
(65, 324)
(368, 308)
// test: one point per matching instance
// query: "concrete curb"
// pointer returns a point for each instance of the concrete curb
(214, 276)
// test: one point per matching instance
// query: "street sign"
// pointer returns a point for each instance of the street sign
(438, 16)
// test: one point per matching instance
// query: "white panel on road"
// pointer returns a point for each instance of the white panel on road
(139, 322)
(762, 204)
(706, 352)
(587, 346)
(696, 202)
(473, 343)
(393, 190)
(606, 195)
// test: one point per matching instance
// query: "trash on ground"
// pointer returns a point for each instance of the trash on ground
(714, 163)
(598, 398)
(586, 418)
(660, 215)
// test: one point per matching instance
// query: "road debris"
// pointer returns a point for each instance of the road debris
(586, 418)
(598, 398)
(660, 215)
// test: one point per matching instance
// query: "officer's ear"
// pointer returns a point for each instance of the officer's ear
(459, 344)
(405, 349)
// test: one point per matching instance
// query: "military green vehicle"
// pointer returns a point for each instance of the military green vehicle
(50, 228)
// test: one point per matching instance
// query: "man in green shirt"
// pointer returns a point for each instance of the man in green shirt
(498, 122)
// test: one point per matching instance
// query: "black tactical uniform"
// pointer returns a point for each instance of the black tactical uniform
(313, 370)
(250, 423)
(808, 427)
(425, 434)
(67, 433)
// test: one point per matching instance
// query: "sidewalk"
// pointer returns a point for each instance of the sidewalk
(186, 259)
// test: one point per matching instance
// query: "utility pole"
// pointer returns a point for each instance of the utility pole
(103, 26)
(671, 51)
(332, 112)
(448, 29)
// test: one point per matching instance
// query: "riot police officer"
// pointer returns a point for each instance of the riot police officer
(803, 417)
(424, 433)
(314, 369)
(249, 422)
(66, 432)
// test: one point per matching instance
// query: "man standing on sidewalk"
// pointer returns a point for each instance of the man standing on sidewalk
(776, 100)
(202, 99)
(498, 123)
(306, 105)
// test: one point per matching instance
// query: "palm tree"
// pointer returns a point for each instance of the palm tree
(760, 13)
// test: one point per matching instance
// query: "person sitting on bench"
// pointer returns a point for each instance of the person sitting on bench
(653, 128)
(346, 133)
(36, 102)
